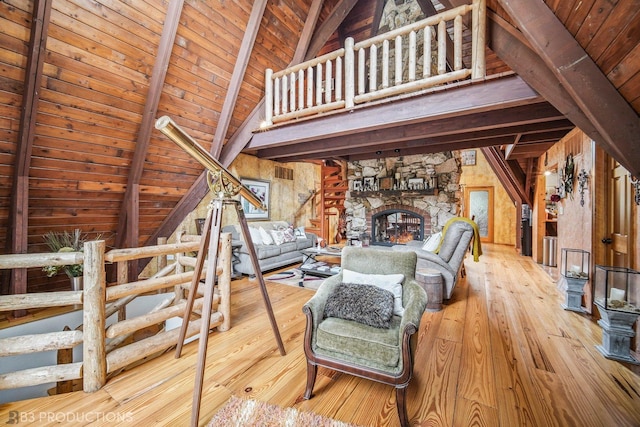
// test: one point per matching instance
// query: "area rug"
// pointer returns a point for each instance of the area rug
(293, 277)
(246, 413)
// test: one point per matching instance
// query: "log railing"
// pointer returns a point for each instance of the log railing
(103, 352)
(383, 66)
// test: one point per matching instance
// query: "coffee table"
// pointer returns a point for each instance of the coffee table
(310, 265)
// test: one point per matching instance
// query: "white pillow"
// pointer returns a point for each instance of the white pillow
(388, 282)
(255, 236)
(277, 236)
(266, 238)
(432, 243)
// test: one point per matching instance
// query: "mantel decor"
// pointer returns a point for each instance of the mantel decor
(574, 267)
(616, 296)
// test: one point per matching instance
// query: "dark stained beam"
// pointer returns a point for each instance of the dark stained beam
(236, 143)
(614, 119)
(506, 175)
(127, 234)
(18, 233)
(239, 140)
(511, 46)
(248, 40)
(328, 27)
(541, 120)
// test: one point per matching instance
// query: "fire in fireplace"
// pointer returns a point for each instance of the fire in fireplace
(395, 227)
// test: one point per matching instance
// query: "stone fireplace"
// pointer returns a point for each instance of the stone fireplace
(394, 200)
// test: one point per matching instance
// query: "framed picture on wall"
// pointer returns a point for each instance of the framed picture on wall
(262, 190)
(469, 157)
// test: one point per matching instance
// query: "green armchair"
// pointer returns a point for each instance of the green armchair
(377, 353)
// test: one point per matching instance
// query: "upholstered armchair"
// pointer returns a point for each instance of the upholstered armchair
(382, 353)
(458, 233)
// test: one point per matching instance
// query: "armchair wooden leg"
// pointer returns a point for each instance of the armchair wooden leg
(401, 403)
(312, 370)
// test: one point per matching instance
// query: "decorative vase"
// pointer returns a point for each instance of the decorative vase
(76, 283)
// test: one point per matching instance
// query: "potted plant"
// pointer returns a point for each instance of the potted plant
(66, 242)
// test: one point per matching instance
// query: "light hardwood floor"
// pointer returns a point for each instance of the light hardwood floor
(502, 352)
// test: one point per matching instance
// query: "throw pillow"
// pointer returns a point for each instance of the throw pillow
(288, 233)
(389, 282)
(432, 242)
(266, 238)
(300, 233)
(365, 304)
(277, 236)
(255, 236)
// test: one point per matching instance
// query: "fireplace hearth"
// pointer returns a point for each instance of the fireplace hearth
(396, 227)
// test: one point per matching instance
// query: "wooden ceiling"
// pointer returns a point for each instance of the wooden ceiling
(81, 83)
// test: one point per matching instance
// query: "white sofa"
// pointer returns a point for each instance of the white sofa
(270, 255)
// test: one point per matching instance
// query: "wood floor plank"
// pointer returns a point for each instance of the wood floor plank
(502, 352)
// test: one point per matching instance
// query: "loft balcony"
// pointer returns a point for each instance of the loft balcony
(404, 61)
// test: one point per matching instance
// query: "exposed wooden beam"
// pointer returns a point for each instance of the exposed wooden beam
(614, 119)
(18, 232)
(329, 26)
(127, 233)
(238, 140)
(248, 40)
(506, 175)
(511, 46)
(245, 131)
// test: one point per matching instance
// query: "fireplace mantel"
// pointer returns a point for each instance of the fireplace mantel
(394, 193)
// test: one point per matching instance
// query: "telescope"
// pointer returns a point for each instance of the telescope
(220, 179)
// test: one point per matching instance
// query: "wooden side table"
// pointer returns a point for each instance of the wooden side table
(431, 282)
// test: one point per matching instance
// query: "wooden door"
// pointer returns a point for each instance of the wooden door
(479, 206)
(619, 224)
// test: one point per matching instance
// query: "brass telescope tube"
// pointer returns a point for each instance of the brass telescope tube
(168, 127)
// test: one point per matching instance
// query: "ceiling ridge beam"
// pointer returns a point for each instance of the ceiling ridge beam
(612, 116)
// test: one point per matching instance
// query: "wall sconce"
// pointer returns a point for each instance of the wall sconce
(583, 178)
(636, 185)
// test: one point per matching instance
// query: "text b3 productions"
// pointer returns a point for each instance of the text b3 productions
(25, 417)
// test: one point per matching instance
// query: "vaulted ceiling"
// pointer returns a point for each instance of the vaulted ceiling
(82, 82)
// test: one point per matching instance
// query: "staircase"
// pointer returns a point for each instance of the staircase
(330, 206)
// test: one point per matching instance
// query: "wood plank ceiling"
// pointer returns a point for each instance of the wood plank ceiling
(81, 83)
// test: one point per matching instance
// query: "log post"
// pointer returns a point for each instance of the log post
(478, 39)
(268, 97)
(349, 73)
(224, 282)
(94, 353)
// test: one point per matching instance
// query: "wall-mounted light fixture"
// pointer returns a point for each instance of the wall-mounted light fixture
(583, 179)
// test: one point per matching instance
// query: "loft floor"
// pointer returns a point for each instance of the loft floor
(502, 352)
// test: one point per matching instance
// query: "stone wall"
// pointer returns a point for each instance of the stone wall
(445, 167)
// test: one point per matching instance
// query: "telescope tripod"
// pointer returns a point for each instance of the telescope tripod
(209, 246)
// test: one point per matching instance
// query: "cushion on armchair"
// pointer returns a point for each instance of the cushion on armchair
(389, 282)
(366, 304)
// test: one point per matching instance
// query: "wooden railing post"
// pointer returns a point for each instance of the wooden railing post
(349, 73)
(479, 31)
(94, 350)
(268, 97)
